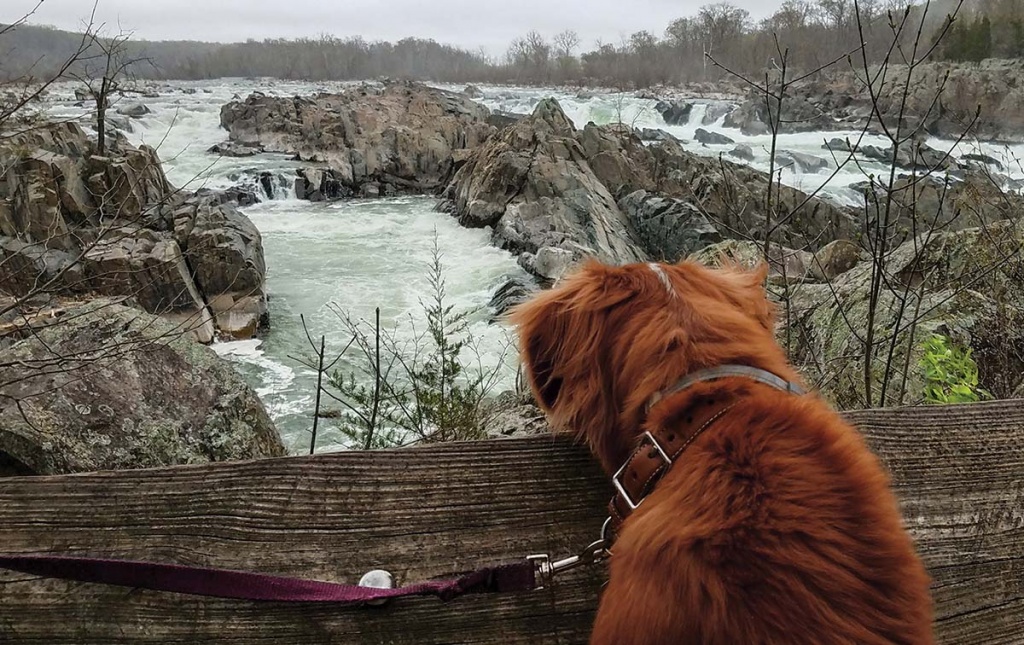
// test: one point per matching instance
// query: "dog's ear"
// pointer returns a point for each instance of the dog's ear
(560, 329)
(748, 287)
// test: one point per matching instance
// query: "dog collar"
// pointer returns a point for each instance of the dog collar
(657, 451)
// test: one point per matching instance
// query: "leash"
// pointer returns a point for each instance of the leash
(532, 573)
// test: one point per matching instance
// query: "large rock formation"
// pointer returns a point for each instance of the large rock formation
(401, 137)
(533, 183)
(554, 194)
(731, 196)
(106, 387)
(73, 222)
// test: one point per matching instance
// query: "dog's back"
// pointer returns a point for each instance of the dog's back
(776, 527)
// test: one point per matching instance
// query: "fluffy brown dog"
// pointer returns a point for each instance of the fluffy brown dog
(775, 525)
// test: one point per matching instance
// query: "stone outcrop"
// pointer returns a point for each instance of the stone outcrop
(668, 229)
(109, 387)
(555, 194)
(399, 138)
(533, 183)
(73, 222)
(731, 195)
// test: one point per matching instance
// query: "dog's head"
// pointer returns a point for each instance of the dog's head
(599, 344)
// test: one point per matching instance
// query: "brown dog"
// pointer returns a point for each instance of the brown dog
(775, 524)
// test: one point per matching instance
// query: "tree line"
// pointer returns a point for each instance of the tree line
(989, 29)
(808, 33)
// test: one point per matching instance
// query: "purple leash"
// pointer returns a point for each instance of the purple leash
(225, 583)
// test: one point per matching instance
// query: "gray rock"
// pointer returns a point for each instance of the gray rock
(712, 138)
(552, 263)
(134, 110)
(513, 292)
(403, 134)
(959, 285)
(743, 151)
(836, 258)
(534, 184)
(985, 159)
(512, 415)
(653, 134)
(473, 92)
(151, 268)
(717, 110)
(123, 230)
(225, 252)
(668, 229)
(803, 162)
(674, 112)
(235, 149)
(131, 391)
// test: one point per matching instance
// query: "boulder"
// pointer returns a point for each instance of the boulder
(712, 138)
(225, 252)
(532, 182)
(473, 92)
(749, 119)
(235, 149)
(743, 151)
(653, 134)
(674, 112)
(402, 134)
(734, 198)
(985, 159)
(668, 229)
(134, 110)
(801, 161)
(836, 258)
(941, 202)
(127, 391)
(617, 157)
(513, 292)
(149, 267)
(717, 110)
(501, 120)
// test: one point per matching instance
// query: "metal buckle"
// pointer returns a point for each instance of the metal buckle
(617, 477)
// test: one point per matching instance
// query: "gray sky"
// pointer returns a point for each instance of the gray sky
(470, 23)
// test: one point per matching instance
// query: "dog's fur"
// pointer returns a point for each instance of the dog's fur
(777, 525)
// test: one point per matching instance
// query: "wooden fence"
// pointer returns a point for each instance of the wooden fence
(422, 512)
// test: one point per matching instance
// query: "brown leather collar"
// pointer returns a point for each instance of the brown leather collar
(658, 450)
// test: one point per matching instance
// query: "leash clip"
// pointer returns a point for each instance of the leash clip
(546, 569)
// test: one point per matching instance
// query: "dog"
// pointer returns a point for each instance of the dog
(772, 523)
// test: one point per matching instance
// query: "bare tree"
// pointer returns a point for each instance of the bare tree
(107, 71)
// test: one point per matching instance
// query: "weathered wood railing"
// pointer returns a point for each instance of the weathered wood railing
(959, 472)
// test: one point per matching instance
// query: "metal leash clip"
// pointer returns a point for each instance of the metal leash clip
(594, 553)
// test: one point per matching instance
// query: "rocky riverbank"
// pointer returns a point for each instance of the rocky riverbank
(946, 100)
(74, 222)
(102, 386)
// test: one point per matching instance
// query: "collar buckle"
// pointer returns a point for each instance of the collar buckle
(646, 437)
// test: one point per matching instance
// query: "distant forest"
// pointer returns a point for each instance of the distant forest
(814, 32)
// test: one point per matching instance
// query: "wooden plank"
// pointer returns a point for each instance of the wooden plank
(959, 472)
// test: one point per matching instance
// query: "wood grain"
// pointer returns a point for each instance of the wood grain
(959, 472)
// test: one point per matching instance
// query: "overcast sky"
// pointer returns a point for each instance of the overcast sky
(470, 23)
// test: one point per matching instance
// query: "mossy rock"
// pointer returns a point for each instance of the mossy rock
(108, 387)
